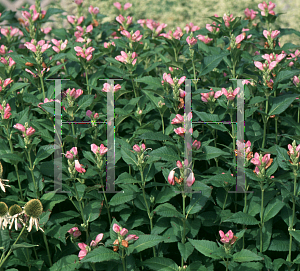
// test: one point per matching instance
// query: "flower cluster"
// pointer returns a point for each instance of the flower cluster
(180, 120)
(227, 239)
(108, 88)
(99, 151)
(85, 249)
(86, 54)
(28, 217)
(26, 131)
(121, 241)
(172, 178)
(266, 9)
(74, 165)
(74, 232)
(140, 150)
(294, 153)
(261, 163)
(5, 110)
(129, 58)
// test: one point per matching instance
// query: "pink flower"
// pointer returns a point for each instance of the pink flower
(118, 5)
(178, 119)
(239, 38)
(116, 228)
(127, 6)
(230, 95)
(30, 131)
(127, 58)
(131, 237)
(190, 180)
(191, 41)
(256, 160)
(211, 95)
(227, 19)
(227, 238)
(79, 167)
(20, 127)
(264, 7)
(78, 2)
(179, 164)
(171, 177)
(296, 80)
(123, 232)
(89, 113)
(83, 251)
(107, 87)
(204, 39)
(94, 148)
(191, 27)
(250, 14)
(97, 240)
(75, 232)
(103, 149)
(93, 10)
(180, 131)
(136, 148)
(196, 145)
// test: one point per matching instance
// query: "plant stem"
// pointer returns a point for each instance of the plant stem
(10, 250)
(226, 264)
(36, 256)
(32, 175)
(16, 166)
(184, 218)
(73, 131)
(261, 217)
(146, 203)
(87, 81)
(245, 208)
(224, 204)
(123, 260)
(175, 54)
(47, 248)
(81, 210)
(265, 119)
(162, 123)
(106, 203)
(293, 217)
(43, 88)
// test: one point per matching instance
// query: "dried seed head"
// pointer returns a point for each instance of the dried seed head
(124, 243)
(14, 209)
(33, 208)
(3, 209)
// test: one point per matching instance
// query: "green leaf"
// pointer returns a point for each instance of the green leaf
(210, 153)
(295, 234)
(154, 82)
(165, 154)
(282, 158)
(49, 107)
(246, 255)
(43, 153)
(121, 198)
(128, 156)
(12, 157)
(22, 245)
(92, 210)
(85, 101)
(198, 201)
(67, 263)
(242, 218)
(144, 242)
(100, 254)
(154, 136)
(126, 178)
(207, 117)
(167, 210)
(17, 86)
(196, 266)
(160, 264)
(272, 209)
(185, 250)
(165, 195)
(53, 70)
(205, 247)
(282, 103)
(283, 75)
(211, 62)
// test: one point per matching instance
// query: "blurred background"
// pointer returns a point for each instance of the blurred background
(172, 12)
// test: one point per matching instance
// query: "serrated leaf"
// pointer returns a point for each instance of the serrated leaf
(185, 250)
(160, 264)
(43, 153)
(281, 103)
(205, 247)
(211, 62)
(67, 263)
(167, 210)
(121, 198)
(242, 218)
(128, 156)
(246, 255)
(144, 242)
(272, 209)
(165, 154)
(22, 245)
(100, 254)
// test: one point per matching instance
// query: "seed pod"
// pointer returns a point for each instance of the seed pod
(238, 46)
(14, 209)
(33, 208)
(266, 45)
(44, 65)
(124, 243)
(95, 23)
(270, 85)
(28, 64)
(181, 105)
(3, 209)
(229, 48)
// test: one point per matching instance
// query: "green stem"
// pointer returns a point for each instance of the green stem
(81, 210)
(36, 256)
(43, 88)
(32, 175)
(276, 130)
(106, 203)
(162, 123)
(265, 119)
(93, 266)
(261, 217)
(226, 264)
(293, 217)
(10, 250)
(47, 248)
(123, 260)
(175, 54)
(73, 131)
(16, 166)
(194, 74)
(245, 208)
(87, 81)
(184, 218)
(63, 61)
(146, 203)
(298, 113)
(224, 204)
